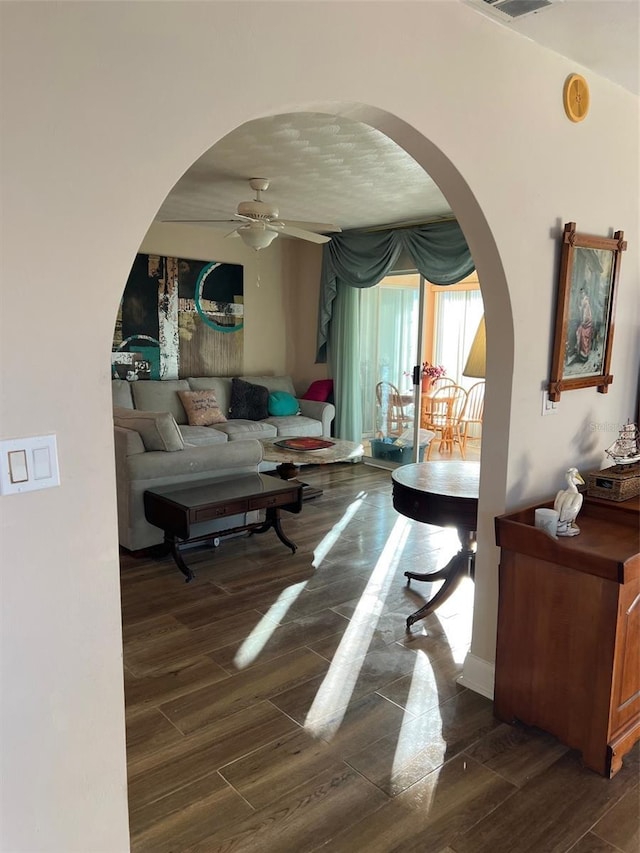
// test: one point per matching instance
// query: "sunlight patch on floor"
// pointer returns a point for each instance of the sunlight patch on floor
(457, 627)
(330, 539)
(259, 637)
(425, 730)
(330, 703)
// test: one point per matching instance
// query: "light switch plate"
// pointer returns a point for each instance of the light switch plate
(27, 464)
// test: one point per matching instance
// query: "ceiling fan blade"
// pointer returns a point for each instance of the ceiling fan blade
(281, 228)
(312, 226)
(233, 233)
(195, 221)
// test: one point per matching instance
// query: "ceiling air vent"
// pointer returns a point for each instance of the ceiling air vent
(511, 10)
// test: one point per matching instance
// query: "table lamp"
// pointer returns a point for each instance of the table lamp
(476, 365)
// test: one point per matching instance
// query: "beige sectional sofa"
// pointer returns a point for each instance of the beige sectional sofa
(156, 446)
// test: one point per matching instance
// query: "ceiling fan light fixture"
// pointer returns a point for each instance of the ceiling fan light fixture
(257, 238)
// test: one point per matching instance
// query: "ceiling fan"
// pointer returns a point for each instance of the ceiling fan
(260, 225)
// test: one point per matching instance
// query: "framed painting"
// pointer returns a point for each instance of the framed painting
(179, 317)
(589, 272)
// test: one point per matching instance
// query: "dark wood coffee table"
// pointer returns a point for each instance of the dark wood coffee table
(177, 509)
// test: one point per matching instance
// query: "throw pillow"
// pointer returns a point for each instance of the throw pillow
(158, 430)
(320, 390)
(201, 407)
(282, 403)
(250, 402)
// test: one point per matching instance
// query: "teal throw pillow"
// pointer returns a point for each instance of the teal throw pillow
(282, 403)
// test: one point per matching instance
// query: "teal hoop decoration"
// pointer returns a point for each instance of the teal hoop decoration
(197, 296)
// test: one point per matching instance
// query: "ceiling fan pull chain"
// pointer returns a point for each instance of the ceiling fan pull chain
(257, 269)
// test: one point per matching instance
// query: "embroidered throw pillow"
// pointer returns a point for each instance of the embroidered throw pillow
(201, 407)
(249, 402)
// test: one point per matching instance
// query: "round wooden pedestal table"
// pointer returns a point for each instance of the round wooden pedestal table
(444, 494)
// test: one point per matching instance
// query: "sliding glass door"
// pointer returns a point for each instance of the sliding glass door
(405, 321)
(390, 347)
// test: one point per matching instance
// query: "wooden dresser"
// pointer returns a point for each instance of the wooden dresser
(568, 643)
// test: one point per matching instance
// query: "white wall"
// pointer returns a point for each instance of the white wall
(104, 107)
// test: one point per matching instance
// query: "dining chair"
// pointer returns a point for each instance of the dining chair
(472, 413)
(442, 414)
(392, 408)
(442, 382)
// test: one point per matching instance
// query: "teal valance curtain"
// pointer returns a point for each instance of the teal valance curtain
(353, 261)
(438, 250)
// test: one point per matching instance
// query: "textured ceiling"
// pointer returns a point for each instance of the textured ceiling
(321, 168)
(334, 170)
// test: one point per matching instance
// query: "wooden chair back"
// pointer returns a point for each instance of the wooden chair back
(390, 402)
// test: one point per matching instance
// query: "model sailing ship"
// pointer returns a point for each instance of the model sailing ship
(625, 450)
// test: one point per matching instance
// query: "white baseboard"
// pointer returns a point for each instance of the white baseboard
(478, 675)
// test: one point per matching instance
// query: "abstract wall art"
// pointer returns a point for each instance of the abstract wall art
(179, 318)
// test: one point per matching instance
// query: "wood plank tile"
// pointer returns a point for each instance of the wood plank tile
(517, 753)
(154, 775)
(147, 730)
(326, 597)
(244, 689)
(329, 647)
(298, 822)
(349, 678)
(156, 626)
(552, 811)
(362, 723)
(495, 794)
(590, 843)
(186, 816)
(274, 770)
(136, 607)
(430, 684)
(269, 644)
(620, 826)
(159, 687)
(431, 814)
(424, 743)
(166, 653)
(201, 613)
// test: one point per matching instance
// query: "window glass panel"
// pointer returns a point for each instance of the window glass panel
(457, 316)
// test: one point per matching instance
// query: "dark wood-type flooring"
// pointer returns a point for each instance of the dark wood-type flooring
(276, 704)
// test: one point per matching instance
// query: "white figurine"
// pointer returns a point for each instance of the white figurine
(568, 503)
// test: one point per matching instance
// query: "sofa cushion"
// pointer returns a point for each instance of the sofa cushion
(282, 403)
(201, 407)
(248, 401)
(295, 425)
(320, 390)
(158, 430)
(160, 395)
(199, 436)
(238, 428)
(121, 393)
(273, 383)
(220, 385)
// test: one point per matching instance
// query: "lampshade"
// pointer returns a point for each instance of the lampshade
(477, 359)
(256, 236)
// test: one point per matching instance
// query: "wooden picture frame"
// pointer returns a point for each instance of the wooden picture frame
(589, 272)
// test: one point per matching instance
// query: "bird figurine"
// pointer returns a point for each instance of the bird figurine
(568, 503)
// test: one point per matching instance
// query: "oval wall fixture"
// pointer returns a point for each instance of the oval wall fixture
(576, 97)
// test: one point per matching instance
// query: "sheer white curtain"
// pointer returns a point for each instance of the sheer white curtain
(389, 334)
(457, 316)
